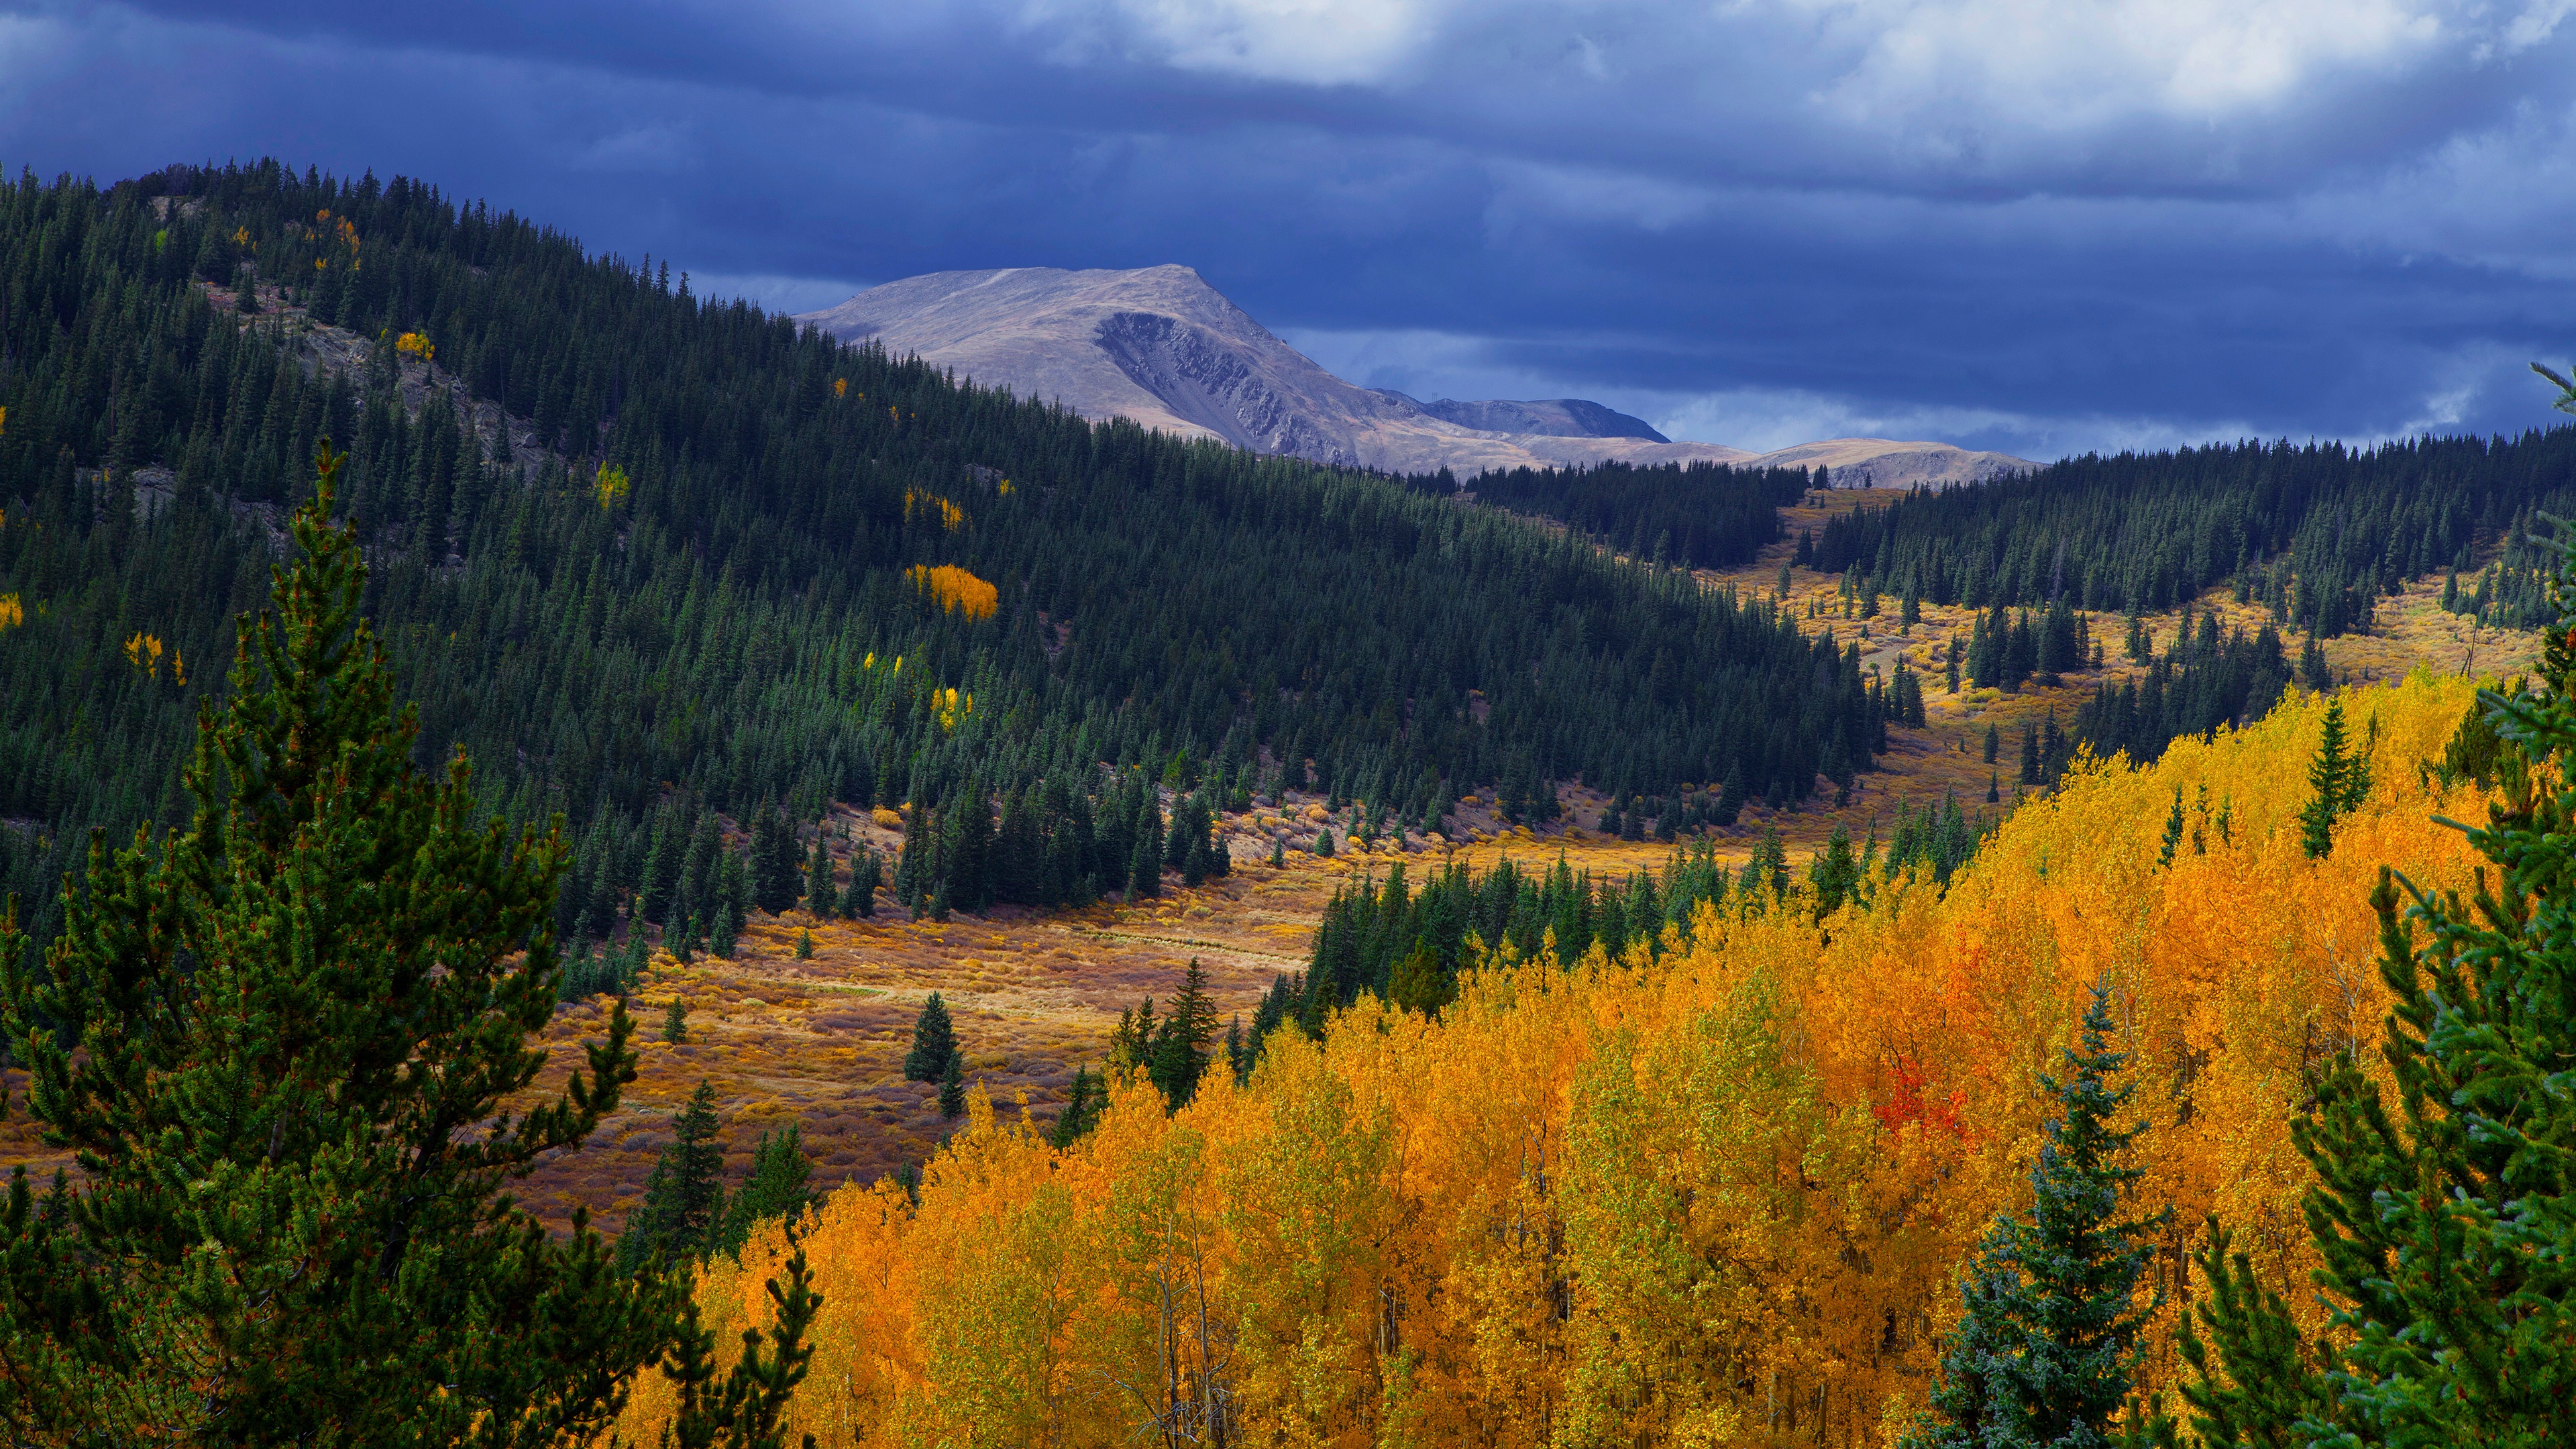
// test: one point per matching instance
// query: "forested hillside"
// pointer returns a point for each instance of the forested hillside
(1705, 515)
(2317, 533)
(718, 565)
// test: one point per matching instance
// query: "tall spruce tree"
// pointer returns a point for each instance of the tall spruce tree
(2447, 1228)
(684, 1197)
(820, 897)
(934, 1043)
(2338, 779)
(776, 863)
(280, 1041)
(2044, 1353)
(778, 1187)
(1178, 1055)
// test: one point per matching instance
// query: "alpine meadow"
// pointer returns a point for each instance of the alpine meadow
(590, 863)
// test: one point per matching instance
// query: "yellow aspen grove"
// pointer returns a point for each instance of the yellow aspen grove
(957, 589)
(1720, 1196)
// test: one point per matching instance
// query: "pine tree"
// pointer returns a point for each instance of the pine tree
(934, 1043)
(2044, 1353)
(743, 1412)
(2447, 1228)
(820, 897)
(775, 861)
(804, 945)
(1083, 1104)
(1145, 868)
(1417, 984)
(778, 1187)
(333, 972)
(867, 872)
(2338, 779)
(2173, 830)
(1178, 1056)
(1994, 743)
(952, 1088)
(684, 1197)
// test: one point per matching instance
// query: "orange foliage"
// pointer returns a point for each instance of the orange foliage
(1722, 1198)
(957, 589)
(12, 613)
(415, 344)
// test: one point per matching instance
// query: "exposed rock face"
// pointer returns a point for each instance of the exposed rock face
(1161, 347)
(1564, 417)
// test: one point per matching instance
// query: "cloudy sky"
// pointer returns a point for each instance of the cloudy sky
(2038, 225)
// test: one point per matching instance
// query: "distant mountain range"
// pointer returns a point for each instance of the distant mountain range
(1163, 348)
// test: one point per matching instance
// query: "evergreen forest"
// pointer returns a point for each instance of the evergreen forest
(652, 559)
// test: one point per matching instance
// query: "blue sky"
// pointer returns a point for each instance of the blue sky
(2044, 226)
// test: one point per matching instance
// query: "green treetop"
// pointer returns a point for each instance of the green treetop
(280, 1043)
(2044, 1353)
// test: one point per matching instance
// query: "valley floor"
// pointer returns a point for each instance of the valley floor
(1035, 994)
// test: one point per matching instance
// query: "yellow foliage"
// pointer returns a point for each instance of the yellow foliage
(840, 387)
(414, 344)
(610, 486)
(956, 589)
(12, 613)
(950, 516)
(143, 651)
(886, 819)
(1720, 1198)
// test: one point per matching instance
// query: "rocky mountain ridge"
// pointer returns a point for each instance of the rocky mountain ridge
(1161, 347)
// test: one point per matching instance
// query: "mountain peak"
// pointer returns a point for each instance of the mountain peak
(1161, 347)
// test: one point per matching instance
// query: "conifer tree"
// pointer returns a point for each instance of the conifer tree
(684, 1198)
(952, 1089)
(2173, 830)
(2339, 780)
(934, 1043)
(1417, 984)
(2044, 1353)
(726, 931)
(1083, 1103)
(307, 1007)
(675, 1021)
(1178, 1056)
(743, 1411)
(820, 897)
(2447, 1228)
(775, 861)
(1994, 742)
(1145, 868)
(867, 872)
(776, 1188)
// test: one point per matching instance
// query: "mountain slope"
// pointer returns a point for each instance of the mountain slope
(1161, 347)
(716, 564)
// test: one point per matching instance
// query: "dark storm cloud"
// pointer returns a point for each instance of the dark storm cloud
(2035, 227)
